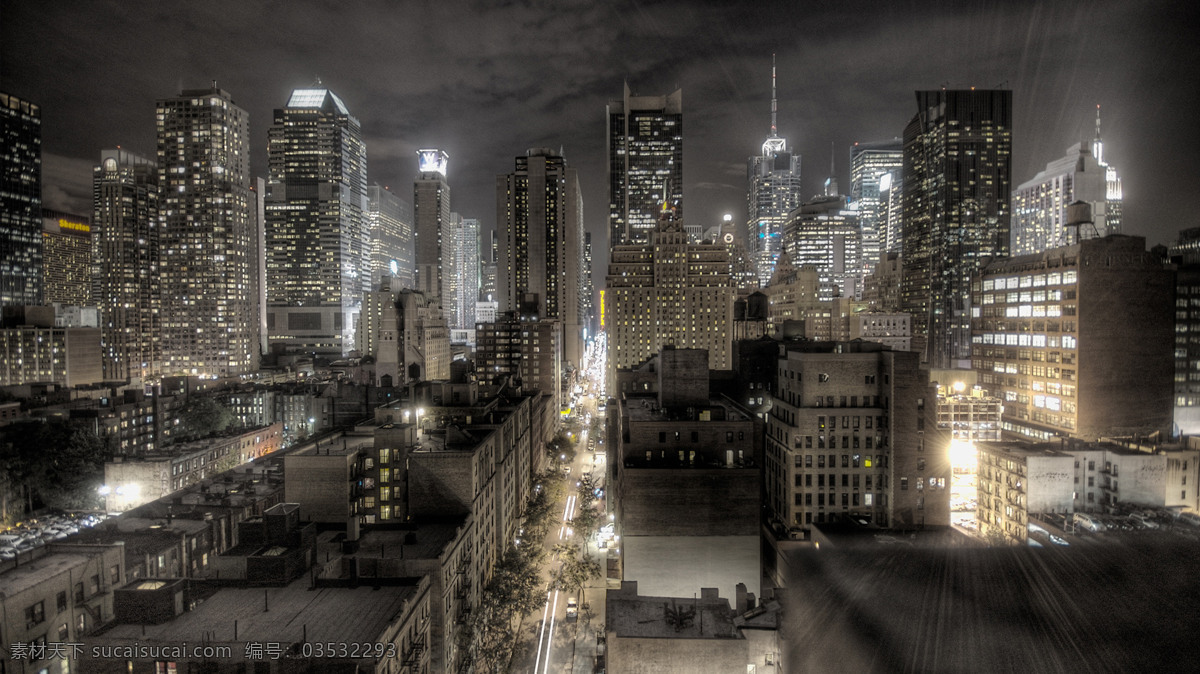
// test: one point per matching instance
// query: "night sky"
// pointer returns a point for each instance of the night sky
(485, 81)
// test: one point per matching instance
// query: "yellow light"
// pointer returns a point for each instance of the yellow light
(963, 455)
(959, 387)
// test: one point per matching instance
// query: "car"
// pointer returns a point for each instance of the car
(1035, 529)
(1089, 523)
(1057, 540)
(1142, 521)
(572, 610)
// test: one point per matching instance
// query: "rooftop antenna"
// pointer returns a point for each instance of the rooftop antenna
(774, 101)
(1097, 144)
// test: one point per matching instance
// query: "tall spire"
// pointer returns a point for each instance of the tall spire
(1097, 144)
(831, 186)
(774, 144)
(775, 106)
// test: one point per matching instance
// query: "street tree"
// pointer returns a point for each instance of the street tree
(576, 569)
(202, 416)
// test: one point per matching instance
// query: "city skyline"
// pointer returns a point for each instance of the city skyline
(844, 75)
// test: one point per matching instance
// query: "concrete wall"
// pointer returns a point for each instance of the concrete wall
(689, 502)
(321, 485)
(676, 656)
(680, 566)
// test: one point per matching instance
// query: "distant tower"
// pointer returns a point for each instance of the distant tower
(204, 164)
(645, 144)
(774, 177)
(318, 265)
(1114, 194)
(431, 213)
(1040, 205)
(20, 201)
(126, 264)
(539, 226)
(957, 168)
(874, 169)
(466, 273)
(390, 223)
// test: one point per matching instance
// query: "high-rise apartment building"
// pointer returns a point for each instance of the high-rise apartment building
(466, 272)
(668, 292)
(852, 435)
(645, 163)
(529, 351)
(1039, 205)
(431, 213)
(318, 263)
(1077, 340)
(20, 201)
(390, 230)
(824, 233)
(66, 258)
(539, 216)
(126, 263)
(774, 176)
(957, 156)
(587, 290)
(869, 163)
(205, 241)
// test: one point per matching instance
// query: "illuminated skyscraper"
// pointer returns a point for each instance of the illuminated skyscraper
(668, 292)
(431, 213)
(390, 227)
(466, 272)
(204, 164)
(126, 264)
(318, 264)
(774, 192)
(66, 258)
(539, 216)
(957, 156)
(1114, 194)
(645, 158)
(1039, 205)
(869, 163)
(824, 233)
(20, 201)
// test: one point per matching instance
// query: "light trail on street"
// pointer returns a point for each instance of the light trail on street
(546, 637)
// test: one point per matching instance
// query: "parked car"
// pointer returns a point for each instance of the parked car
(1143, 521)
(572, 610)
(1089, 523)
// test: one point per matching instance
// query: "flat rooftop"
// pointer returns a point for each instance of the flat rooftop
(631, 616)
(40, 570)
(648, 409)
(338, 615)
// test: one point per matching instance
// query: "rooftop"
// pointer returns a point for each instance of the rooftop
(39, 570)
(631, 616)
(281, 615)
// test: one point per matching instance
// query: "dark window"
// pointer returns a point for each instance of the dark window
(662, 436)
(808, 480)
(903, 483)
(62, 601)
(35, 614)
(921, 464)
(78, 592)
(695, 436)
(808, 459)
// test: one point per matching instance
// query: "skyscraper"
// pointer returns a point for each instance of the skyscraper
(431, 213)
(66, 259)
(668, 292)
(466, 272)
(126, 264)
(1114, 194)
(20, 201)
(957, 156)
(390, 223)
(869, 163)
(645, 163)
(774, 176)
(1039, 205)
(204, 164)
(317, 250)
(539, 216)
(824, 233)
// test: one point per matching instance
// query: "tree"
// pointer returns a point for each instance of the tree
(57, 463)
(203, 416)
(514, 590)
(576, 570)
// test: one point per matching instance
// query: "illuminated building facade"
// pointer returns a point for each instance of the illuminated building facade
(869, 163)
(774, 177)
(1039, 206)
(539, 215)
(1185, 255)
(431, 213)
(66, 258)
(668, 293)
(465, 243)
(528, 351)
(645, 163)
(824, 233)
(318, 252)
(126, 261)
(390, 227)
(851, 435)
(20, 201)
(957, 156)
(1076, 340)
(205, 241)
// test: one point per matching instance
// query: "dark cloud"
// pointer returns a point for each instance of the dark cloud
(486, 81)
